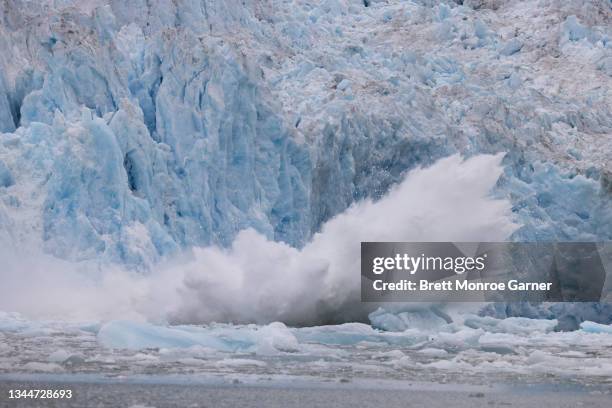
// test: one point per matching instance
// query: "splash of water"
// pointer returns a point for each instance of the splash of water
(257, 280)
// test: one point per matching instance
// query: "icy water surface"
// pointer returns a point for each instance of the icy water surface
(481, 351)
(143, 394)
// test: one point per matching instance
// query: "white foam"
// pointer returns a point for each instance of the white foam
(260, 281)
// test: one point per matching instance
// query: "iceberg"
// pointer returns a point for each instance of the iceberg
(271, 339)
(592, 327)
(426, 319)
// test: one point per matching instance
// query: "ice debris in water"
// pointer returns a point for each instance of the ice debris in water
(475, 332)
(527, 347)
(264, 340)
(424, 319)
(592, 327)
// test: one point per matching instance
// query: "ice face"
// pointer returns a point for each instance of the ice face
(144, 128)
(134, 130)
(135, 166)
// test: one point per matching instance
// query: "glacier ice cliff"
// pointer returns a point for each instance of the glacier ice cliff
(133, 130)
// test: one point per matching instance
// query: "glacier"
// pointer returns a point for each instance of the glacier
(138, 132)
(184, 186)
(133, 130)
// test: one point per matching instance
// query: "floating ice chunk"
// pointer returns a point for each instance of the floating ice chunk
(452, 365)
(433, 352)
(404, 362)
(89, 327)
(537, 357)
(276, 337)
(240, 362)
(461, 339)
(59, 356)
(10, 322)
(132, 335)
(391, 354)
(424, 319)
(500, 343)
(387, 321)
(592, 327)
(354, 333)
(42, 367)
(65, 358)
(569, 315)
(523, 325)
(348, 333)
(515, 325)
(263, 340)
(195, 352)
